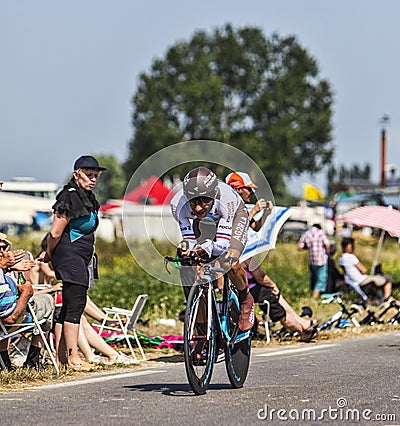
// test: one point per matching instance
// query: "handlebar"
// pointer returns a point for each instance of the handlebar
(198, 261)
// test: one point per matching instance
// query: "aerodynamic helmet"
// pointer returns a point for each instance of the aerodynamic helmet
(200, 182)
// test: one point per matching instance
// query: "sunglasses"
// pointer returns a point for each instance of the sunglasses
(3, 247)
(91, 175)
(200, 200)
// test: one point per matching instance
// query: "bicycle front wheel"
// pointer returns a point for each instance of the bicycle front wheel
(199, 340)
(237, 353)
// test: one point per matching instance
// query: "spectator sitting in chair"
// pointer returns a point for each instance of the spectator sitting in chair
(355, 274)
(14, 299)
(263, 288)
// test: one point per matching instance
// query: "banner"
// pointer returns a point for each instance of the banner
(265, 238)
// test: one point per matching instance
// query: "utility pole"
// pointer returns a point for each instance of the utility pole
(384, 121)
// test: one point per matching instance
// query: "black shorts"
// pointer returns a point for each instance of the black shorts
(261, 293)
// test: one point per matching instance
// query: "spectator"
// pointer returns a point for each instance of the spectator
(245, 187)
(70, 247)
(317, 244)
(335, 277)
(14, 299)
(355, 274)
(261, 286)
(345, 232)
(88, 339)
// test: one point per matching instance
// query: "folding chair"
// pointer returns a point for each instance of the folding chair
(118, 314)
(11, 330)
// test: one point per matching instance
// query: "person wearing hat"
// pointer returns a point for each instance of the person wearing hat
(244, 186)
(70, 247)
(260, 284)
(14, 298)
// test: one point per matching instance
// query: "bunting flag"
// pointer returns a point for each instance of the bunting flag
(265, 238)
(312, 193)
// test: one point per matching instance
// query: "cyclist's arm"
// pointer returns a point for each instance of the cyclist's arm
(240, 227)
(179, 213)
(187, 232)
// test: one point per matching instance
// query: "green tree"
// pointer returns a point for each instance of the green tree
(112, 182)
(263, 96)
(336, 176)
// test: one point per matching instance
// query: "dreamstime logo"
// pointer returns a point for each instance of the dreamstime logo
(146, 225)
(341, 412)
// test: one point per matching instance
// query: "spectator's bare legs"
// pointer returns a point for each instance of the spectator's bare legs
(4, 345)
(71, 334)
(387, 290)
(316, 294)
(93, 310)
(89, 339)
(4, 352)
(61, 352)
(293, 321)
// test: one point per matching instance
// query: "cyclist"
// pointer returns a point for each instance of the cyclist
(261, 286)
(244, 186)
(213, 221)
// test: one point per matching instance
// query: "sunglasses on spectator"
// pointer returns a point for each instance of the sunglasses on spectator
(200, 200)
(3, 247)
(91, 175)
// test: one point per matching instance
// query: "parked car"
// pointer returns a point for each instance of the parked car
(292, 230)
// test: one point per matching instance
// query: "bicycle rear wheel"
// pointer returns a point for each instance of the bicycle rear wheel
(199, 350)
(237, 355)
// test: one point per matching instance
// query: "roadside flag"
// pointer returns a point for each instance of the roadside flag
(312, 193)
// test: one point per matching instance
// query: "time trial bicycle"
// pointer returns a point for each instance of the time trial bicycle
(211, 325)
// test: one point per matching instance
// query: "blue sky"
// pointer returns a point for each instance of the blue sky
(69, 70)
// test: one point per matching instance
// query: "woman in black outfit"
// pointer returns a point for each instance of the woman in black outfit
(70, 247)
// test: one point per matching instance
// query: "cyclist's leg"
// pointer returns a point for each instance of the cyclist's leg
(238, 277)
(188, 277)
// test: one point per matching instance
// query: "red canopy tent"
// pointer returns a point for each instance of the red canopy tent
(151, 192)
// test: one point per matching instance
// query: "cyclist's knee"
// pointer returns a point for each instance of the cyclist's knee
(238, 276)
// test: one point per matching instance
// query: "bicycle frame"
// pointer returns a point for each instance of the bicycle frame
(207, 279)
(208, 328)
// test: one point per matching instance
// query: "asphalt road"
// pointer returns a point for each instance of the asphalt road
(343, 382)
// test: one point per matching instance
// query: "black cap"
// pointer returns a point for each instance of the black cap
(87, 162)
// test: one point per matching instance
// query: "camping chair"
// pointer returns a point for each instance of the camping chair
(132, 316)
(11, 330)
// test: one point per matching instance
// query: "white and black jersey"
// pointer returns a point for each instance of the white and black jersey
(229, 214)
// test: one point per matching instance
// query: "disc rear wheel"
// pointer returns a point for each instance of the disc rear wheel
(237, 353)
